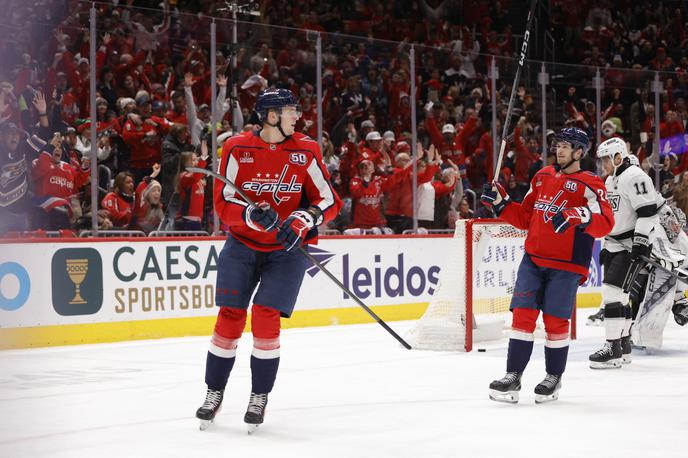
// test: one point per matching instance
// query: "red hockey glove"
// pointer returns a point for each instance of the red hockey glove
(260, 217)
(495, 196)
(570, 217)
(294, 229)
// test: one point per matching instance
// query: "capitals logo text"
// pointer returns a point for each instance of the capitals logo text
(277, 187)
(551, 208)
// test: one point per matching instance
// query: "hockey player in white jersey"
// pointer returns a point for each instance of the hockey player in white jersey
(655, 291)
(634, 200)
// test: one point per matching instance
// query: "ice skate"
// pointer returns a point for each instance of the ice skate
(626, 350)
(607, 357)
(596, 319)
(210, 408)
(506, 389)
(548, 389)
(255, 413)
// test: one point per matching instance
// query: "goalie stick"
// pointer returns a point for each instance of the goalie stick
(310, 257)
(514, 88)
(678, 273)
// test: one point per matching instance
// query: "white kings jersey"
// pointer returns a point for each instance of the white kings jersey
(634, 201)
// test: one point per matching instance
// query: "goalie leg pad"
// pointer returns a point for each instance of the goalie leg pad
(265, 357)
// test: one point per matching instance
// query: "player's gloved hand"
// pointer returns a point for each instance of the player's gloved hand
(641, 247)
(570, 217)
(260, 217)
(680, 311)
(293, 230)
(495, 196)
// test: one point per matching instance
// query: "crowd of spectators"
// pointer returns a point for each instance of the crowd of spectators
(154, 103)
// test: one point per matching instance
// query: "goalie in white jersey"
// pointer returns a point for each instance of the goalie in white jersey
(635, 202)
(655, 291)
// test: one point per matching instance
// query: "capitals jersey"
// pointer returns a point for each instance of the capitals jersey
(367, 201)
(635, 202)
(550, 192)
(288, 176)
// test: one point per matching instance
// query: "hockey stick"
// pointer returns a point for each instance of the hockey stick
(678, 273)
(312, 259)
(514, 88)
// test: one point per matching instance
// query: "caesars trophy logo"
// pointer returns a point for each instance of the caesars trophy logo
(77, 281)
(77, 270)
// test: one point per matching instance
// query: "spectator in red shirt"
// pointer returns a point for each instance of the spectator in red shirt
(399, 211)
(143, 134)
(366, 192)
(118, 203)
(191, 189)
(56, 183)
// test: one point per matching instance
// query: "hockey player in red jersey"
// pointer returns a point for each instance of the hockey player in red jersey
(283, 172)
(563, 212)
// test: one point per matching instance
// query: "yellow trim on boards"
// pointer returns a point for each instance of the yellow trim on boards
(76, 334)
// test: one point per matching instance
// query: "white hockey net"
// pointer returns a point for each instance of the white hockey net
(477, 280)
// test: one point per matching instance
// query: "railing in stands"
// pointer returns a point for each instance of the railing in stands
(178, 234)
(113, 233)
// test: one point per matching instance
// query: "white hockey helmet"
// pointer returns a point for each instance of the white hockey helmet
(611, 147)
(633, 159)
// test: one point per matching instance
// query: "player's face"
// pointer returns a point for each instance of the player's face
(564, 153)
(290, 115)
(607, 166)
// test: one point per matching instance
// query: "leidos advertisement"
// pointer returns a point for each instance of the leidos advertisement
(49, 283)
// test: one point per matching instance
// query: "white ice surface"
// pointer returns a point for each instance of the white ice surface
(346, 391)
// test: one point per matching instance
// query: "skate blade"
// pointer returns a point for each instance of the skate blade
(626, 359)
(204, 424)
(510, 397)
(251, 427)
(611, 364)
(542, 398)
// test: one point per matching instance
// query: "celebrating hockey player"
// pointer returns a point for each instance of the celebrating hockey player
(284, 174)
(564, 210)
(635, 204)
(655, 291)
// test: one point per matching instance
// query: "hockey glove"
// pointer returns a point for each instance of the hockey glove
(641, 247)
(260, 217)
(495, 196)
(294, 229)
(680, 311)
(570, 217)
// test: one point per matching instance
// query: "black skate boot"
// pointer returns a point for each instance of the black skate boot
(255, 413)
(626, 350)
(607, 357)
(506, 389)
(596, 319)
(548, 389)
(211, 407)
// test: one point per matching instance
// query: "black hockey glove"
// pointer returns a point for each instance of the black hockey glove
(294, 229)
(260, 217)
(641, 247)
(680, 311)
(495, 196)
